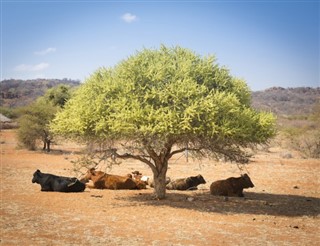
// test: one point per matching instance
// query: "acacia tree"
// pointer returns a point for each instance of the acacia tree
(34, 123)
(158, 103)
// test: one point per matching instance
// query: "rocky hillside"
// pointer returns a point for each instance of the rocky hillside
(281, 101)
(286, 102)
(16, 93)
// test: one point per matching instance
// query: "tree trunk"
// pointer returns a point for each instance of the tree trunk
(46, 141)
(44, 144)
(159, 178)
(48, 145)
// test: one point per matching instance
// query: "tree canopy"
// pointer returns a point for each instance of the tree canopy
(162, 98)
(35, 119)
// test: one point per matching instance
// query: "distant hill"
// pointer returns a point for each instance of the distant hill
(286, 102)
(281, 101)
(16, 93)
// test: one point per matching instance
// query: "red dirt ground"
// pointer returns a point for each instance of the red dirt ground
(282, 209)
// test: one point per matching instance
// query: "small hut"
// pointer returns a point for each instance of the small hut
(4, 119)
(6, 123)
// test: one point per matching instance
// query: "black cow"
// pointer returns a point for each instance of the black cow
(189, 183)
(50, 182)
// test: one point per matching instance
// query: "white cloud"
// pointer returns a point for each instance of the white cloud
(46, 51)
(31, 68)
(127, 17)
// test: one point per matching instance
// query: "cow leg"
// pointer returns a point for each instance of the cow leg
(46, 188)
(240, 193)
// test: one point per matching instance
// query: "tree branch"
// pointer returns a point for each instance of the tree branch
(136, 157)
(181, 150)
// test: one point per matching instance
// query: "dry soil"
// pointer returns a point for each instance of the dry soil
(282, 209)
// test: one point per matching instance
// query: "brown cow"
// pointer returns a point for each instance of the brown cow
(103, 180)
(231, 186)
(144, 180)
(140, 180)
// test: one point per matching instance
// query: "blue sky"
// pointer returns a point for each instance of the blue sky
(266, 43)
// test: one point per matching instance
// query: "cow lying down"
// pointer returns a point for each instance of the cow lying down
(141, 180)
(50, 182)
(146, 180)
(189, 183)
(103, 180)
(231, 186)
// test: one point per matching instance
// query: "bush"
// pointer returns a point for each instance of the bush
(304, 136)
(28, 133)
(307, 143)
(34, 123)
(11, 113)
(37, 116)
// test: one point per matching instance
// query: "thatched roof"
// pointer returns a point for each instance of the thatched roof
(4, 119)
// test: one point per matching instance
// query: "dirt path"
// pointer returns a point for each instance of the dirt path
(282, 209)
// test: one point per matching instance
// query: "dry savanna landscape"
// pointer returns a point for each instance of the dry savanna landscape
(282, 209)
(160, 123)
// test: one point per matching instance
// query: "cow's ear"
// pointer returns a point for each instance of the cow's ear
(38, 171)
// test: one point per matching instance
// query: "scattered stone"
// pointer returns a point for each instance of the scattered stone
(97, 196)
(286, 155)
(295, 187)
(190, 199)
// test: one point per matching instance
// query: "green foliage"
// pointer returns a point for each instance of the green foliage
(8, 112)
(35, 119)
(165, 93)
(158, 102)
(34, 123)
(58, 95)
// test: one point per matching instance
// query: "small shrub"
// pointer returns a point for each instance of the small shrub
(28, 133)
(308, 144)
(306, 141)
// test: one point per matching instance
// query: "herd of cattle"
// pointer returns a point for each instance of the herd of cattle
(100, 180)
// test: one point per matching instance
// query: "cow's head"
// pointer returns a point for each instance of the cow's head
(91, 172)
(36, 176)
(247, 181)
(195, 180)
(201, 179)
